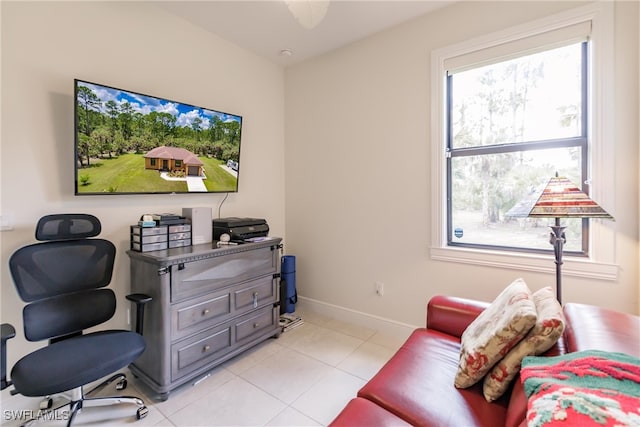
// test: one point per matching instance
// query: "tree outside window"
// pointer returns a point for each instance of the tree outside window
(510, 126)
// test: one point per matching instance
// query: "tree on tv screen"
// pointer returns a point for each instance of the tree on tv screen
(109, 126)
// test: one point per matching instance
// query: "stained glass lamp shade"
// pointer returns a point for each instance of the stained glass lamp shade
(563, 199)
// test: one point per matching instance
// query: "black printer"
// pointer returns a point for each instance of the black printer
(240, 229)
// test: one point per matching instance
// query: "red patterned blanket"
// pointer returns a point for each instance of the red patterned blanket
(587, 388)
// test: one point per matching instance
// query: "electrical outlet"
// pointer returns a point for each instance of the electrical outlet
(380, 288)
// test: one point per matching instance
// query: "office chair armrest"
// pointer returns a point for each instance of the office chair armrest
(8, 332)
(140, 300)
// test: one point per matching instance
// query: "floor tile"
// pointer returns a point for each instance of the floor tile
(350, 329)
(291, 337)
(393, 342)
(253, 356)
(188, 393)
(324, 344)
(235, 403)
(292, 417)
(313, 317)
(286, 374)
(327, 397)
(366, 360)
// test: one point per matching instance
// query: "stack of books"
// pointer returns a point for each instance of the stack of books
(289, 321)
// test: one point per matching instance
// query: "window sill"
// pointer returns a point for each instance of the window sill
(572, 266)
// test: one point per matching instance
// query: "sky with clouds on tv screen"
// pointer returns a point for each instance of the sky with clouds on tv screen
(184, 113)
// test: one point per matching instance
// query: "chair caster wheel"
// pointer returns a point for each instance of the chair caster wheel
(122, 384)
(46, 404)
(142, 412)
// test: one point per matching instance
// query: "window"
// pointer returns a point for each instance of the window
(503, 124)
(510, 126)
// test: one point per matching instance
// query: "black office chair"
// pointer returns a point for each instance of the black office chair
(63, 280)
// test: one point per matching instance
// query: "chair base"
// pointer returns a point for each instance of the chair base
(79, 400)
(47, 403)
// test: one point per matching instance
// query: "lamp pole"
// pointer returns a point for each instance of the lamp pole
(557, 238)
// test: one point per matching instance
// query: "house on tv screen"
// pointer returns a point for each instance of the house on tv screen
(173, 159)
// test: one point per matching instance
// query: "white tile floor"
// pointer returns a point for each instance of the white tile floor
(303, 378)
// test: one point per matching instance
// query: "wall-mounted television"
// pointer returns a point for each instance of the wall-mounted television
(130, 143)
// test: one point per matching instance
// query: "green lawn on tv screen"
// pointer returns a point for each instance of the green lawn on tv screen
(126, 174)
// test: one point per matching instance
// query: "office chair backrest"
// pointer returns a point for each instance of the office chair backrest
(62, 276)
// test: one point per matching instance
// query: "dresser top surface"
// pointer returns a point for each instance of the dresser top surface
(202, 251)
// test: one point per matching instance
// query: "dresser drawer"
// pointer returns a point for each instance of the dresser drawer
(195, 278)
(195, 352)
(255, 323)
(255, 293)
(193, 315)
(212, 344)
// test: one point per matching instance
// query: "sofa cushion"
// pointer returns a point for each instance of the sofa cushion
(517, 409)
(544, 334)
(494, 332)
(363, 412)
(416, 385)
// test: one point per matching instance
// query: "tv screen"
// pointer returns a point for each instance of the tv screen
(130, 143)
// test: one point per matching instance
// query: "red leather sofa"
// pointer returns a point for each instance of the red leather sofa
(416, 386)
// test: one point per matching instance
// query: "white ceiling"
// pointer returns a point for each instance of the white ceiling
(266, 27)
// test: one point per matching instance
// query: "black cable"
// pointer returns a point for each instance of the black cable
(220, 205)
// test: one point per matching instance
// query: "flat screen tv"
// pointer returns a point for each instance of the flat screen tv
(130, 143)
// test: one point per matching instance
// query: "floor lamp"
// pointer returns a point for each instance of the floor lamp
(562, 199)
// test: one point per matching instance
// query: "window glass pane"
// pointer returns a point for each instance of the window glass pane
(485, 188)
(531, 98)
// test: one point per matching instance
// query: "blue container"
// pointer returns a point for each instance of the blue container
(288, 293)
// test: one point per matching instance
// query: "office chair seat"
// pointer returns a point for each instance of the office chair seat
(107, 351)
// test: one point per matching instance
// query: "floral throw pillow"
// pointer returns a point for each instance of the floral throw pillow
(494, 332)
(544, 334)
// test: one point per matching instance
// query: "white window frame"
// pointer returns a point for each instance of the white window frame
(601, 262)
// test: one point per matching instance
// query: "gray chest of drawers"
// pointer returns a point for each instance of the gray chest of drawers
(209, 304)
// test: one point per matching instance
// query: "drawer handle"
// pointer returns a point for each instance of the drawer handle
(206, 348)
(255, 325)
(255, 300)
(205, 311)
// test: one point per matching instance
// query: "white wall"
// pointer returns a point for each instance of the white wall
(133, 46)
(358, 169)
(356, 157)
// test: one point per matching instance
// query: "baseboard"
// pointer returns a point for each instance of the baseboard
(380, 324)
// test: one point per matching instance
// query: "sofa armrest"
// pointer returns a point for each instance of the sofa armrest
(452, 315)
(593, 327)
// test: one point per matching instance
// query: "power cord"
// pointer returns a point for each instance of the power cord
(221, 203)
